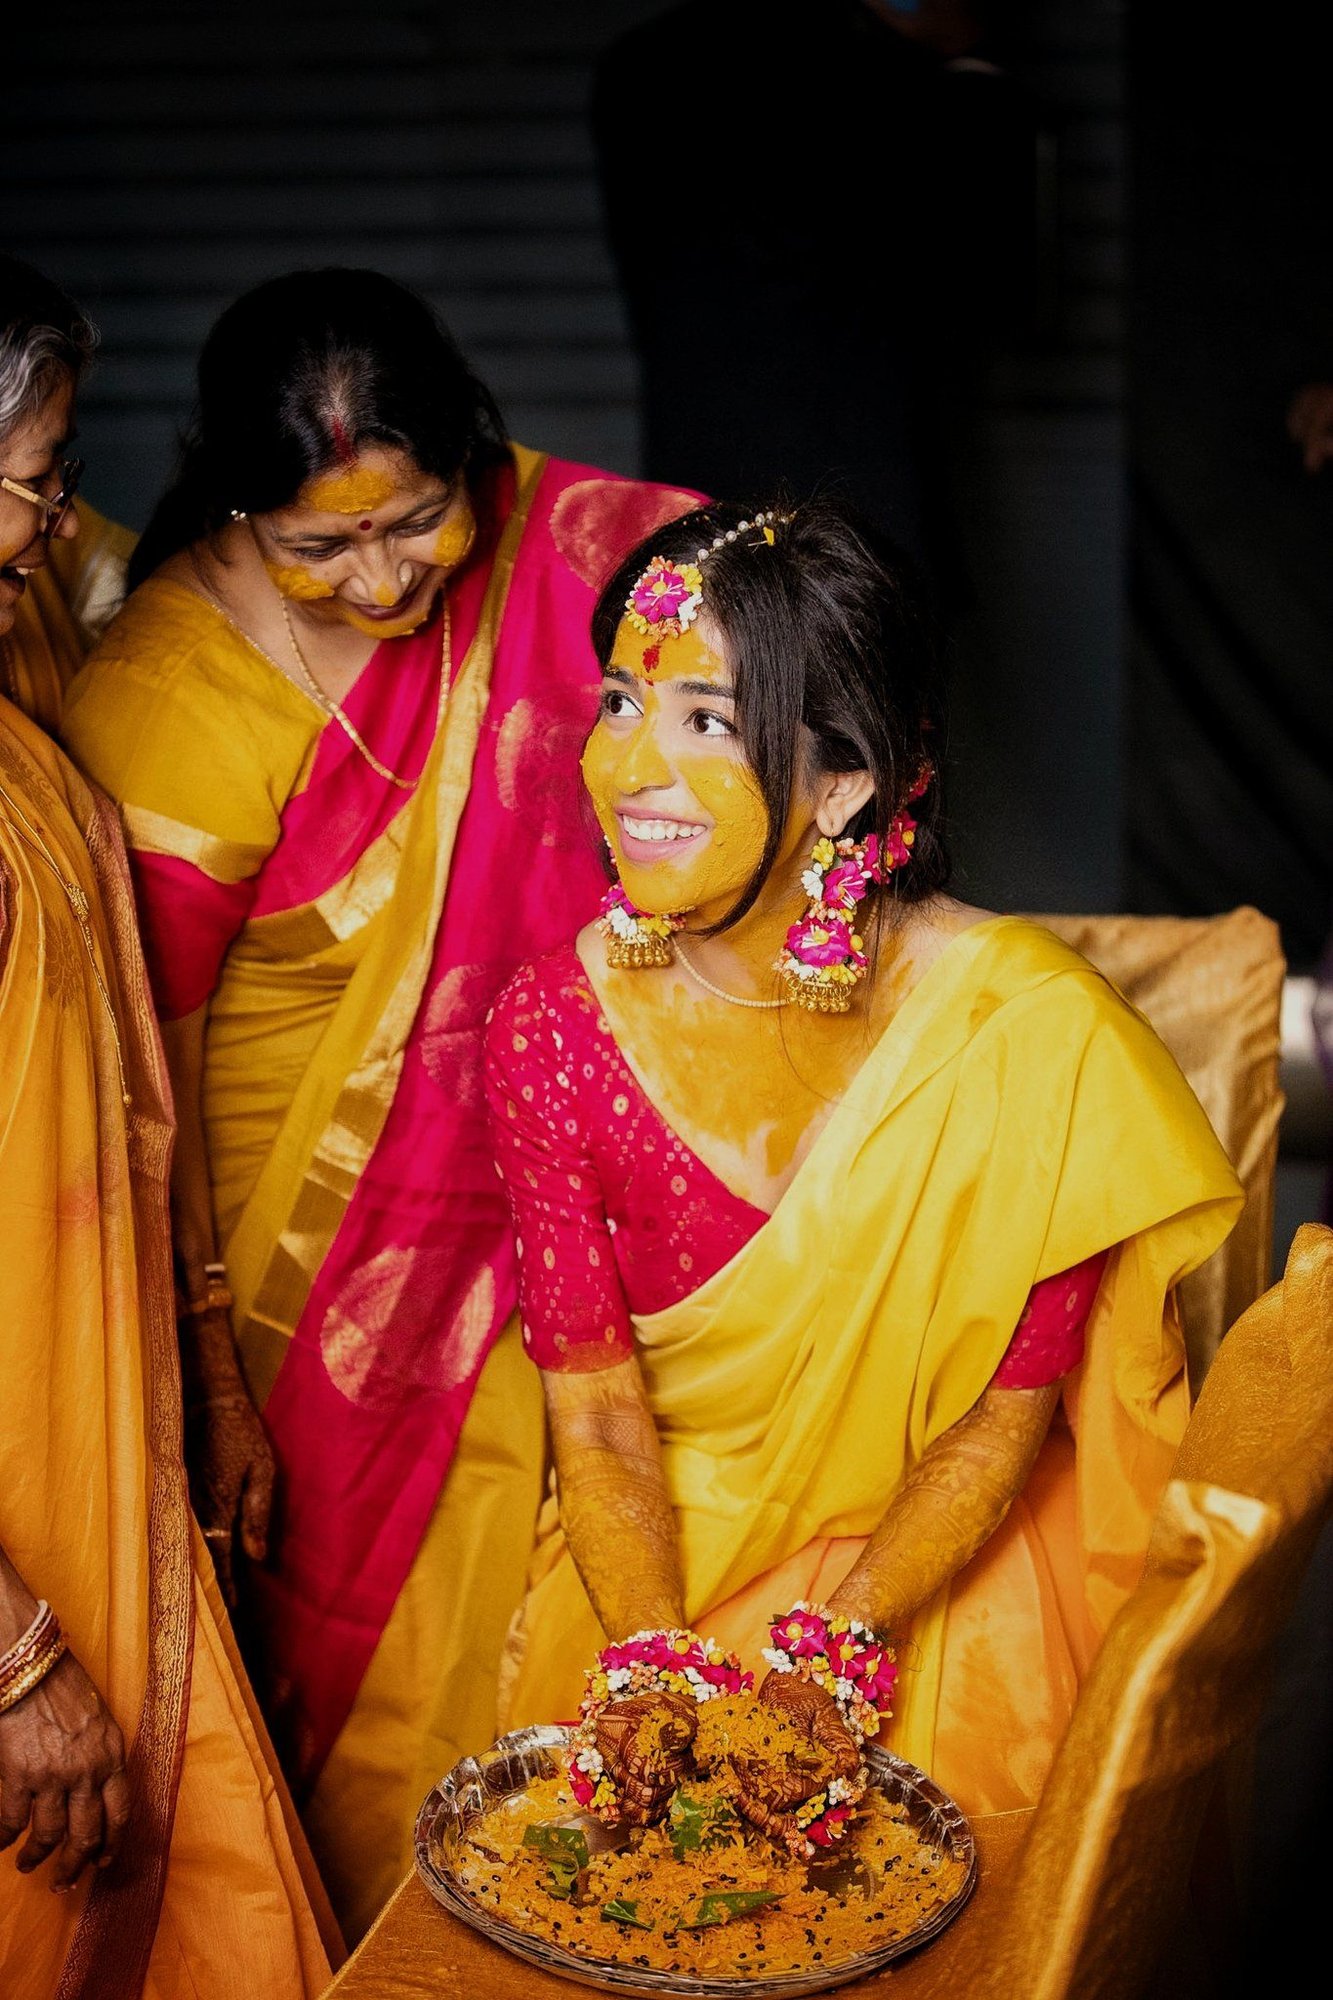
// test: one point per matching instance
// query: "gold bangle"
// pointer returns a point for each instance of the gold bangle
(32, 1676)
(45, 1625)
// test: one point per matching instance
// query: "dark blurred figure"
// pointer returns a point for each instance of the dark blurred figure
(821, 210)
(1230, 773)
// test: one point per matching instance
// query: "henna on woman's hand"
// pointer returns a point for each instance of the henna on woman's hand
(769, 1791)
(643, 1742)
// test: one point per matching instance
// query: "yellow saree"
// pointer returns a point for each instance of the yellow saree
(1016, 1118)
(214, 1889)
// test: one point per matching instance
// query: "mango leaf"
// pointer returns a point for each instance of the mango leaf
(721, 1905)
(563, 1844)
(621, 1911)
(694, 1823)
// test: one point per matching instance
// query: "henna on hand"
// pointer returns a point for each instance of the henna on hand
(228, 1454)
(643, 1742)
(768, 1792)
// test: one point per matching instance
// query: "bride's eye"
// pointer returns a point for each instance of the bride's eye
(615, 702)
(706, 722)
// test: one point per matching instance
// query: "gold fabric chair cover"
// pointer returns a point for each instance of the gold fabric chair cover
(1212, 989)
(1096, 1906)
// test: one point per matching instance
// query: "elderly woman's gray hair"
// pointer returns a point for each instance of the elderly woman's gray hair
(44, 337)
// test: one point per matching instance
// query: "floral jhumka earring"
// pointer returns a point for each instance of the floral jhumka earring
(824, 958)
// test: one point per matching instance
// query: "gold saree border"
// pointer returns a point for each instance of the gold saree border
(361, 1109)
(339, 912)
(226, 861)
(109, 1952)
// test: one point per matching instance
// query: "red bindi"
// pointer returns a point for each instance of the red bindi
(365, 526)
(651, 656)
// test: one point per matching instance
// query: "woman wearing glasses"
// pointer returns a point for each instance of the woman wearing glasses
(60, 602)
(342, 718)
(112, 1639)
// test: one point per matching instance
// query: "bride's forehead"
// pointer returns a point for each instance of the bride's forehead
(689, 657)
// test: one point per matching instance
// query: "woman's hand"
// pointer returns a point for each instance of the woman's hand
(769, 1792)
(643, 1742)
(62, 1775)
(227, 1450)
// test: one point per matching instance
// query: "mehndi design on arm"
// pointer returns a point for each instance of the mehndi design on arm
(948, 1507)
(613, 1499)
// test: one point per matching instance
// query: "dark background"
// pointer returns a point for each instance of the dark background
(1133, 566)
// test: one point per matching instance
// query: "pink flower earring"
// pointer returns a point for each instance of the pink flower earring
(824, 958)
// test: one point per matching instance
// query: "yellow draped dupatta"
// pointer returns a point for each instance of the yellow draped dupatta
(1016, 1118)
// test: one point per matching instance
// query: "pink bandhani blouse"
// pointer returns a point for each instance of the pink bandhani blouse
(615, 1215)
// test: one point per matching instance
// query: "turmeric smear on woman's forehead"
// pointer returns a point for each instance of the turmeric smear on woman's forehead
(357, 490)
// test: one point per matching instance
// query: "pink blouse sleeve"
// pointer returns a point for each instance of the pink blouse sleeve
(1048, 1340)
(571, 1302)
(187, 922)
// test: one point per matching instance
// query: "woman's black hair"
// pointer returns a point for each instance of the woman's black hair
(833, 653)
(299, 373)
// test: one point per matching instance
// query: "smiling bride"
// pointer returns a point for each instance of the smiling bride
(849, 1216)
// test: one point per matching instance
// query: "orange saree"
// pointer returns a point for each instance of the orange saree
(213, 1892)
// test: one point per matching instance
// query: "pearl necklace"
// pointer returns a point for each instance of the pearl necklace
(339, 714)
(31, 836)
(732, 999)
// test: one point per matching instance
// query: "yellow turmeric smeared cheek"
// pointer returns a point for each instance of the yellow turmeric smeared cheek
(711, 868)
(358, 490)
(297, 583)
(456, 536)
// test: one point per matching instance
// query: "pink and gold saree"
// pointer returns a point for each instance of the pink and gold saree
(348, 938)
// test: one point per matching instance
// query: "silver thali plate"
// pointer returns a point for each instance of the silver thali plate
(477, 1785)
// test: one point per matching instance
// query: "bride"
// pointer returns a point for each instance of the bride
(849, 1216)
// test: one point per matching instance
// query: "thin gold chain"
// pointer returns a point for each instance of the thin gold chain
(78, 902)
(732, 999)
(339, 714)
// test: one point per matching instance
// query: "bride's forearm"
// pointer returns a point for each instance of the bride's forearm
(948, 1507)
(613, 1499)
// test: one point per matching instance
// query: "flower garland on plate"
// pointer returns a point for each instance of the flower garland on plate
(855, 1667)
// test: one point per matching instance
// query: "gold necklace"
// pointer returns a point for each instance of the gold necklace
(339, 714)
(78, 902)
(732, 999)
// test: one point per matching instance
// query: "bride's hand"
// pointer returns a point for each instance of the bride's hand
(769, 1792)
(643, 1742)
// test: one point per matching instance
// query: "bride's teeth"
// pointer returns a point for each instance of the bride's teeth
(659, 829)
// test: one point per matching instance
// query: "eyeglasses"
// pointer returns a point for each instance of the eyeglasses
(71, 472)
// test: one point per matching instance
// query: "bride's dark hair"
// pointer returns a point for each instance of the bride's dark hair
(297, 374)
(834, 658)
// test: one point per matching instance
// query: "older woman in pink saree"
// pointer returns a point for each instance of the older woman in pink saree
(342, 719)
